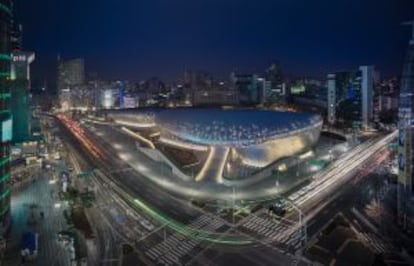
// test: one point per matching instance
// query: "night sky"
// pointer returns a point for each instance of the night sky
(137, 39)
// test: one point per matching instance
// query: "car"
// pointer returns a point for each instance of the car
(278, 211)
(147, 225)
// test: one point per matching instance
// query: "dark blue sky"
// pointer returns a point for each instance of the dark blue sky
(137, 39)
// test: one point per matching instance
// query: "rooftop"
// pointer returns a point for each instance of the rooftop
(234, 127)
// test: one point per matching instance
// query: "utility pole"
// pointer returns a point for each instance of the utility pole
(234, 203)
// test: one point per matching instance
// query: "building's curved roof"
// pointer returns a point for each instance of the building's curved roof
(138, 117)
(233, 127)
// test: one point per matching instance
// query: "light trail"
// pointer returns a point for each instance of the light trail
(173, 224)
(191, 232)
(79, 133)
(198, 234)
(338, 173)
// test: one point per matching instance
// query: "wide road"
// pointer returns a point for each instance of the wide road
(135, 178)
(330, 183)
(340, 172)
(133, 183)
(323, 185)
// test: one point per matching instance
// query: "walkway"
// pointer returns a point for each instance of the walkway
(28, 200)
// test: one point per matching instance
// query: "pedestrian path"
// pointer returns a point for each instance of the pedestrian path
(28, 202)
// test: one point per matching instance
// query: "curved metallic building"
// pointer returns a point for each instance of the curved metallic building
(5, 116)
(136, 118)
(256, 137)
(232, 147)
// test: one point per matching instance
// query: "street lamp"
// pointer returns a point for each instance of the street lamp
(297, 166)
(302, 224)
(234, 203)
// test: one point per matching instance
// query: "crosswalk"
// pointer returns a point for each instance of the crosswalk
(274, 231)
(176, 248)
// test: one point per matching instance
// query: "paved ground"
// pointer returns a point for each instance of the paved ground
(28, 200)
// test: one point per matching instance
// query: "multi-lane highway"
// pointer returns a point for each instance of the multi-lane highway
(132, 182)
(327, 185)
(182, 217)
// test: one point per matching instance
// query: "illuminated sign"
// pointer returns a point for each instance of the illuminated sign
(108, 99)
(6, 130)
(129, 102)
(24, 57)
(19, 58)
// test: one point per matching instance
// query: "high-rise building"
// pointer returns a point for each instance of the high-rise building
(250, 88)
(215, 97)
(344, 97)
(267, 91)
(5, 115)
(16, 37)
(197, 80)
(406, 136)
(350, 97)
(20, 86)
(71, 75)
(108, 99)
(275, 87)
(367, 90)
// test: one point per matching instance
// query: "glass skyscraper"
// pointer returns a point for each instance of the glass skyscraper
(350, 97)
(406, 139)
(5, 115)
(19, 102)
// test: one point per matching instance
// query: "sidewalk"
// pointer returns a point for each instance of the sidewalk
(27, 201)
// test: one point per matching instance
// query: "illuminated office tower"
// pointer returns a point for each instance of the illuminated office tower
(367, 91)
(5, 115)
(249, 89)
(71, 76)
(274, 86)
(19, 105)
(71, 73)
(350, 97)
(406, 136)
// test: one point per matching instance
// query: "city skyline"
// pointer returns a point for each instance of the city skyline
(183, 132)
(135, 40)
